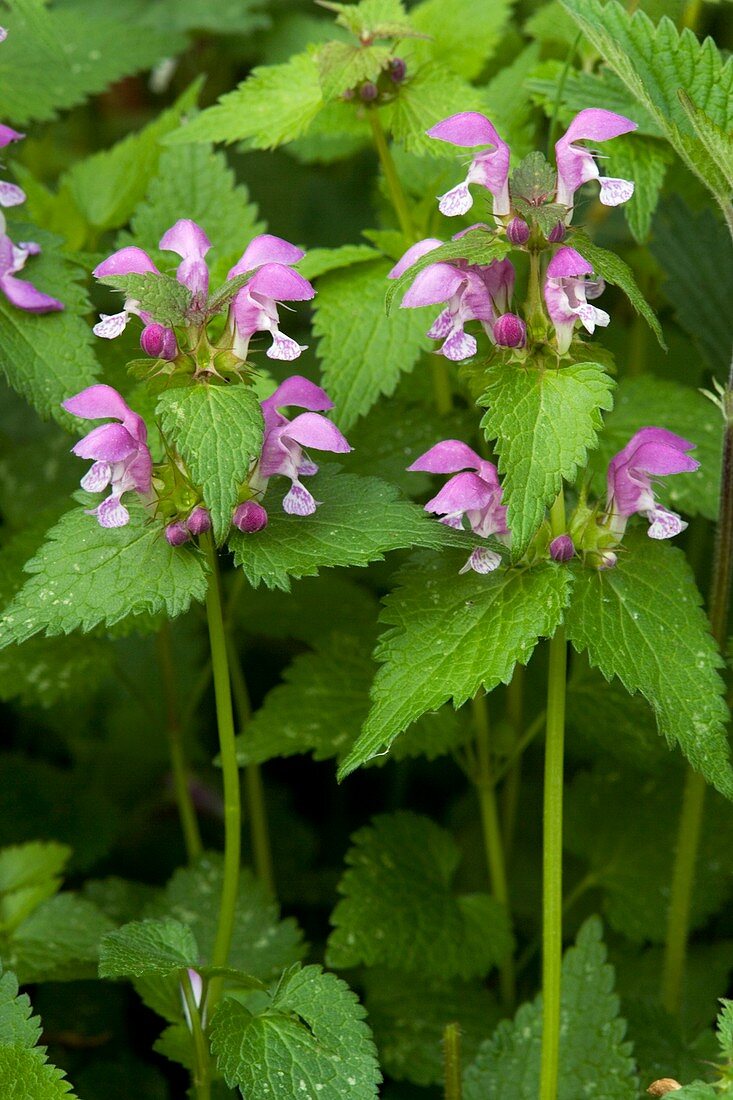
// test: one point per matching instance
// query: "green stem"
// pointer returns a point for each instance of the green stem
(259, 831)
(510, 799)
(230, 771)
(552, 843)
(693, 800)
(202, 1072)
(491, 832)
(452, 1062)
(691, 14)
(186, 810)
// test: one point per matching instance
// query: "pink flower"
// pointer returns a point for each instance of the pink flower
(120, 452)
(472, 293)
(566, 296)
(490, 169)
(474, 494)
(10, 193)
(126, 261)
(191, 243)
(576, 164)
(20, 293)
(282, 447)
(652, 451)
(254, 308)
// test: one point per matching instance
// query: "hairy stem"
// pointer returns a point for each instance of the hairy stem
(202, 1064)
(452, 1062)
(259, 831)
(174, 731)
(510, 799)
(552, 844)
(230, 770)
(493, 845)
(693, 801)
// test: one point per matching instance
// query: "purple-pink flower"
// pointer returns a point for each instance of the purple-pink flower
(121, 456)
(577, 165)
(566, 295)
(474, 494)
(651, 452)
(254, 308)
(471, 293)
(282, 447)
(125, 261)
(19, 292)
(490, 169)
(10, 193)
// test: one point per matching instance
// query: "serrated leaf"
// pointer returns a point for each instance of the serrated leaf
(464, 36)
(399, 909)
(432, 94)
(654, 63)
(274, 105)
(359, 520)
(642, 622)
(613, 269)
(718, 144)
(311, 1038)
(477, 246)
(147, 947)
(48, 357)
(221, 17)
(371, 18)
(449, 635)
(680, 409)
(163, 297)
(645, 162)
(58, 941)
(24, 1071)
(544, 423)
(363, 352)
(32, 864)
(593, 1054)
(343, 65)
(218, 433)
(85, 575)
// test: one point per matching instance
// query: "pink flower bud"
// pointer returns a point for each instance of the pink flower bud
(249, 517)
(561, 548)
(558, 233)
(199, 521)
(177, 533)
(517, 231)
(397, 70)
(608, 559)
(159, 342)
(368, 92)
(510, 331)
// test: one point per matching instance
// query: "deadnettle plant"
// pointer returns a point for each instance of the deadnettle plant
(652, 452)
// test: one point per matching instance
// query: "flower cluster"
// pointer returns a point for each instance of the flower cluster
(253, 308)
(19, 292)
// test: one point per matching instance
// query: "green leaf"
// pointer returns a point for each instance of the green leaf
(310, 1038)
(371, 18)
(463, 36)
(59, 941)
(645, 162)
(319, 261)
(29, 874)
(477, 246)
(85, 575)
(449, 636)
(544, 423)
(725, 1029)
(697, 258)
(648, 400)
(697, 1090)
(218, 432)
(584, 89)
(221, 17)
(147, 947)
(642, 622)
(655, 63)
(262, 944)
(408, 1016)
(24, 1072)
(274, 105)
(718, 144)
(360, 519)
(48, 357)
(399, 909)
(363, 352)
(432, 94)
(613, 269)
(343, 65)
(593, 1055)
(163, 297)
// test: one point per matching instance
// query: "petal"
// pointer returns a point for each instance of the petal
(299, 501)
(567, 263)
(458, 346)
(112, 513)
(266, 249)
(97, 401)
(11, 194)
(615, 191)
(111, 325)
(413, 254)
(97, 477)
(280, 283)
(456, 201)
(283, 348)
(311, 430)
(25, 296)
(461, 493)
(468, 129)
(482, 560)
(299, 391)
(592, 317)
(663, 523)
(447, 457)
(595, 124)
(441, 326)
(7, 135)
(658, 451)
(437, 283)
(126, 261)
(187, 239)
(107, 443)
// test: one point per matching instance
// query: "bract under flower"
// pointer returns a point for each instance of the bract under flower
(566, 295)
(651, 451)
(490, 169)
(577, 165)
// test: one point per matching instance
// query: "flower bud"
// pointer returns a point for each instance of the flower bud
(608, 559)
(397, 70)
(159, 342)
(368, 92)
(510, 331)
(663, 1086)
(249, 517)
(517, 231)
(561, 548)
(177, 533)
(199, 521)
(558, 233)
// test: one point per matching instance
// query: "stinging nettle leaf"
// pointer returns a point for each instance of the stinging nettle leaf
(25, 1073)
(147, 947)
(544, 423)
(451, 634)
(399, 909)
(218, 432)
(59, 941)
(163, 297)
(642, 621)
